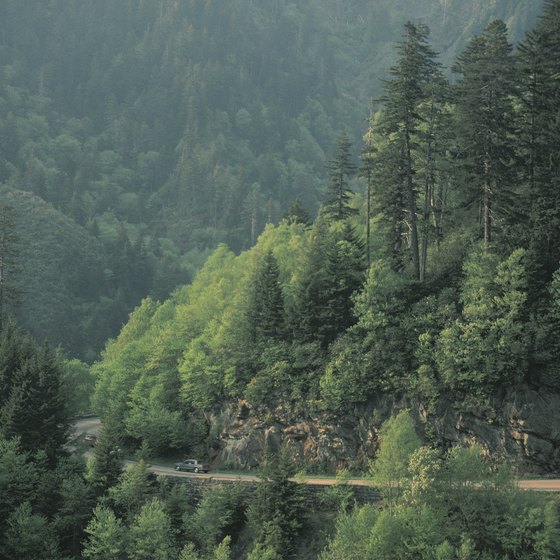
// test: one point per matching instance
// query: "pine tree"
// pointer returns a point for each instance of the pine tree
(337, 205)
(410, 76)
(265, 313)
(106, 536)
(539, 137)
(34, 406)
(29, 535)
(276, 513)
(298, 214)
(344, 267)
(367, 171)
(303, 311)
(483, 97)
(106, 467)
(150, 534)
(333, 271)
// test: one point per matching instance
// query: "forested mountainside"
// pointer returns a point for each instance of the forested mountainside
(159, 129)
(407, 331)
(437, 286)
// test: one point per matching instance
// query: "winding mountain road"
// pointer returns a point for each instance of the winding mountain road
(93, 426)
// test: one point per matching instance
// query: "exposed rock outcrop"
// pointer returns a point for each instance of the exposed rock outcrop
(521, 425)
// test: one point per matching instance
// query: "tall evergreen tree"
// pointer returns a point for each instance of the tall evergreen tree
(106, 467)
(106, 539)
(483, 97)
(265, 313)
(433, 137)
(332, 272)
(413, 72)
(344, 267)
(276, 514)
(367, 171)
(341, 168)
(539, 138)
(34, 407)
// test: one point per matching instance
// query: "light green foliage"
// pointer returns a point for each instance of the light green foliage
(425, 469)
(150, 534)
(158, 428)
(29, 535)
(133, 490)
(455, 507)
(189, 553)
(548, 539)
(429, 317)
(218, 510)
(397, 442)
(18, 477)
(106, 536)
(270, 545)
(222, 551)
(352, 533)
(372, 355)
(488, 346)
(262, 552)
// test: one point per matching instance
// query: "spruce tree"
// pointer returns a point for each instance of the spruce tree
(106, 539)
(539, 138)
(277, 511)
(483, 97)
(413, 72)
(106, 467)
(34, 406)
(345, 266)
(337, 205)
(265, 313)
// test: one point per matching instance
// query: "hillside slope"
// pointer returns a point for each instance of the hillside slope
(166, 128)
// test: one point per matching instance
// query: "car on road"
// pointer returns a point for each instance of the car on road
(89, 439)
(192, 465)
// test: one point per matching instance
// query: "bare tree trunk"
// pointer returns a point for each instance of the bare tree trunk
(368, 218)
(428, 196)
(487, 205)
(411, 201)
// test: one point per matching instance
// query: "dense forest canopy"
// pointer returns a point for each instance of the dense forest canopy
(440, 279)
(160, 129)
(293, 253)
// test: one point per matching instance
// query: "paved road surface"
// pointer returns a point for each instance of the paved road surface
(93, 426)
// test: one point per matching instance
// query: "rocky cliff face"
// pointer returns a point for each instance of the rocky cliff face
(521, 425)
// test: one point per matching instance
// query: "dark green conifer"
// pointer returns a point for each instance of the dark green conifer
(483, 98)
(413, 72)
(337, 206)
(539, 138)
(265, 313)
(34, 407)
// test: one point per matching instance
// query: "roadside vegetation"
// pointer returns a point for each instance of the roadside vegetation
(426, 270)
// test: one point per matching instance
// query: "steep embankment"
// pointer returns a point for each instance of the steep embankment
(521, 426)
